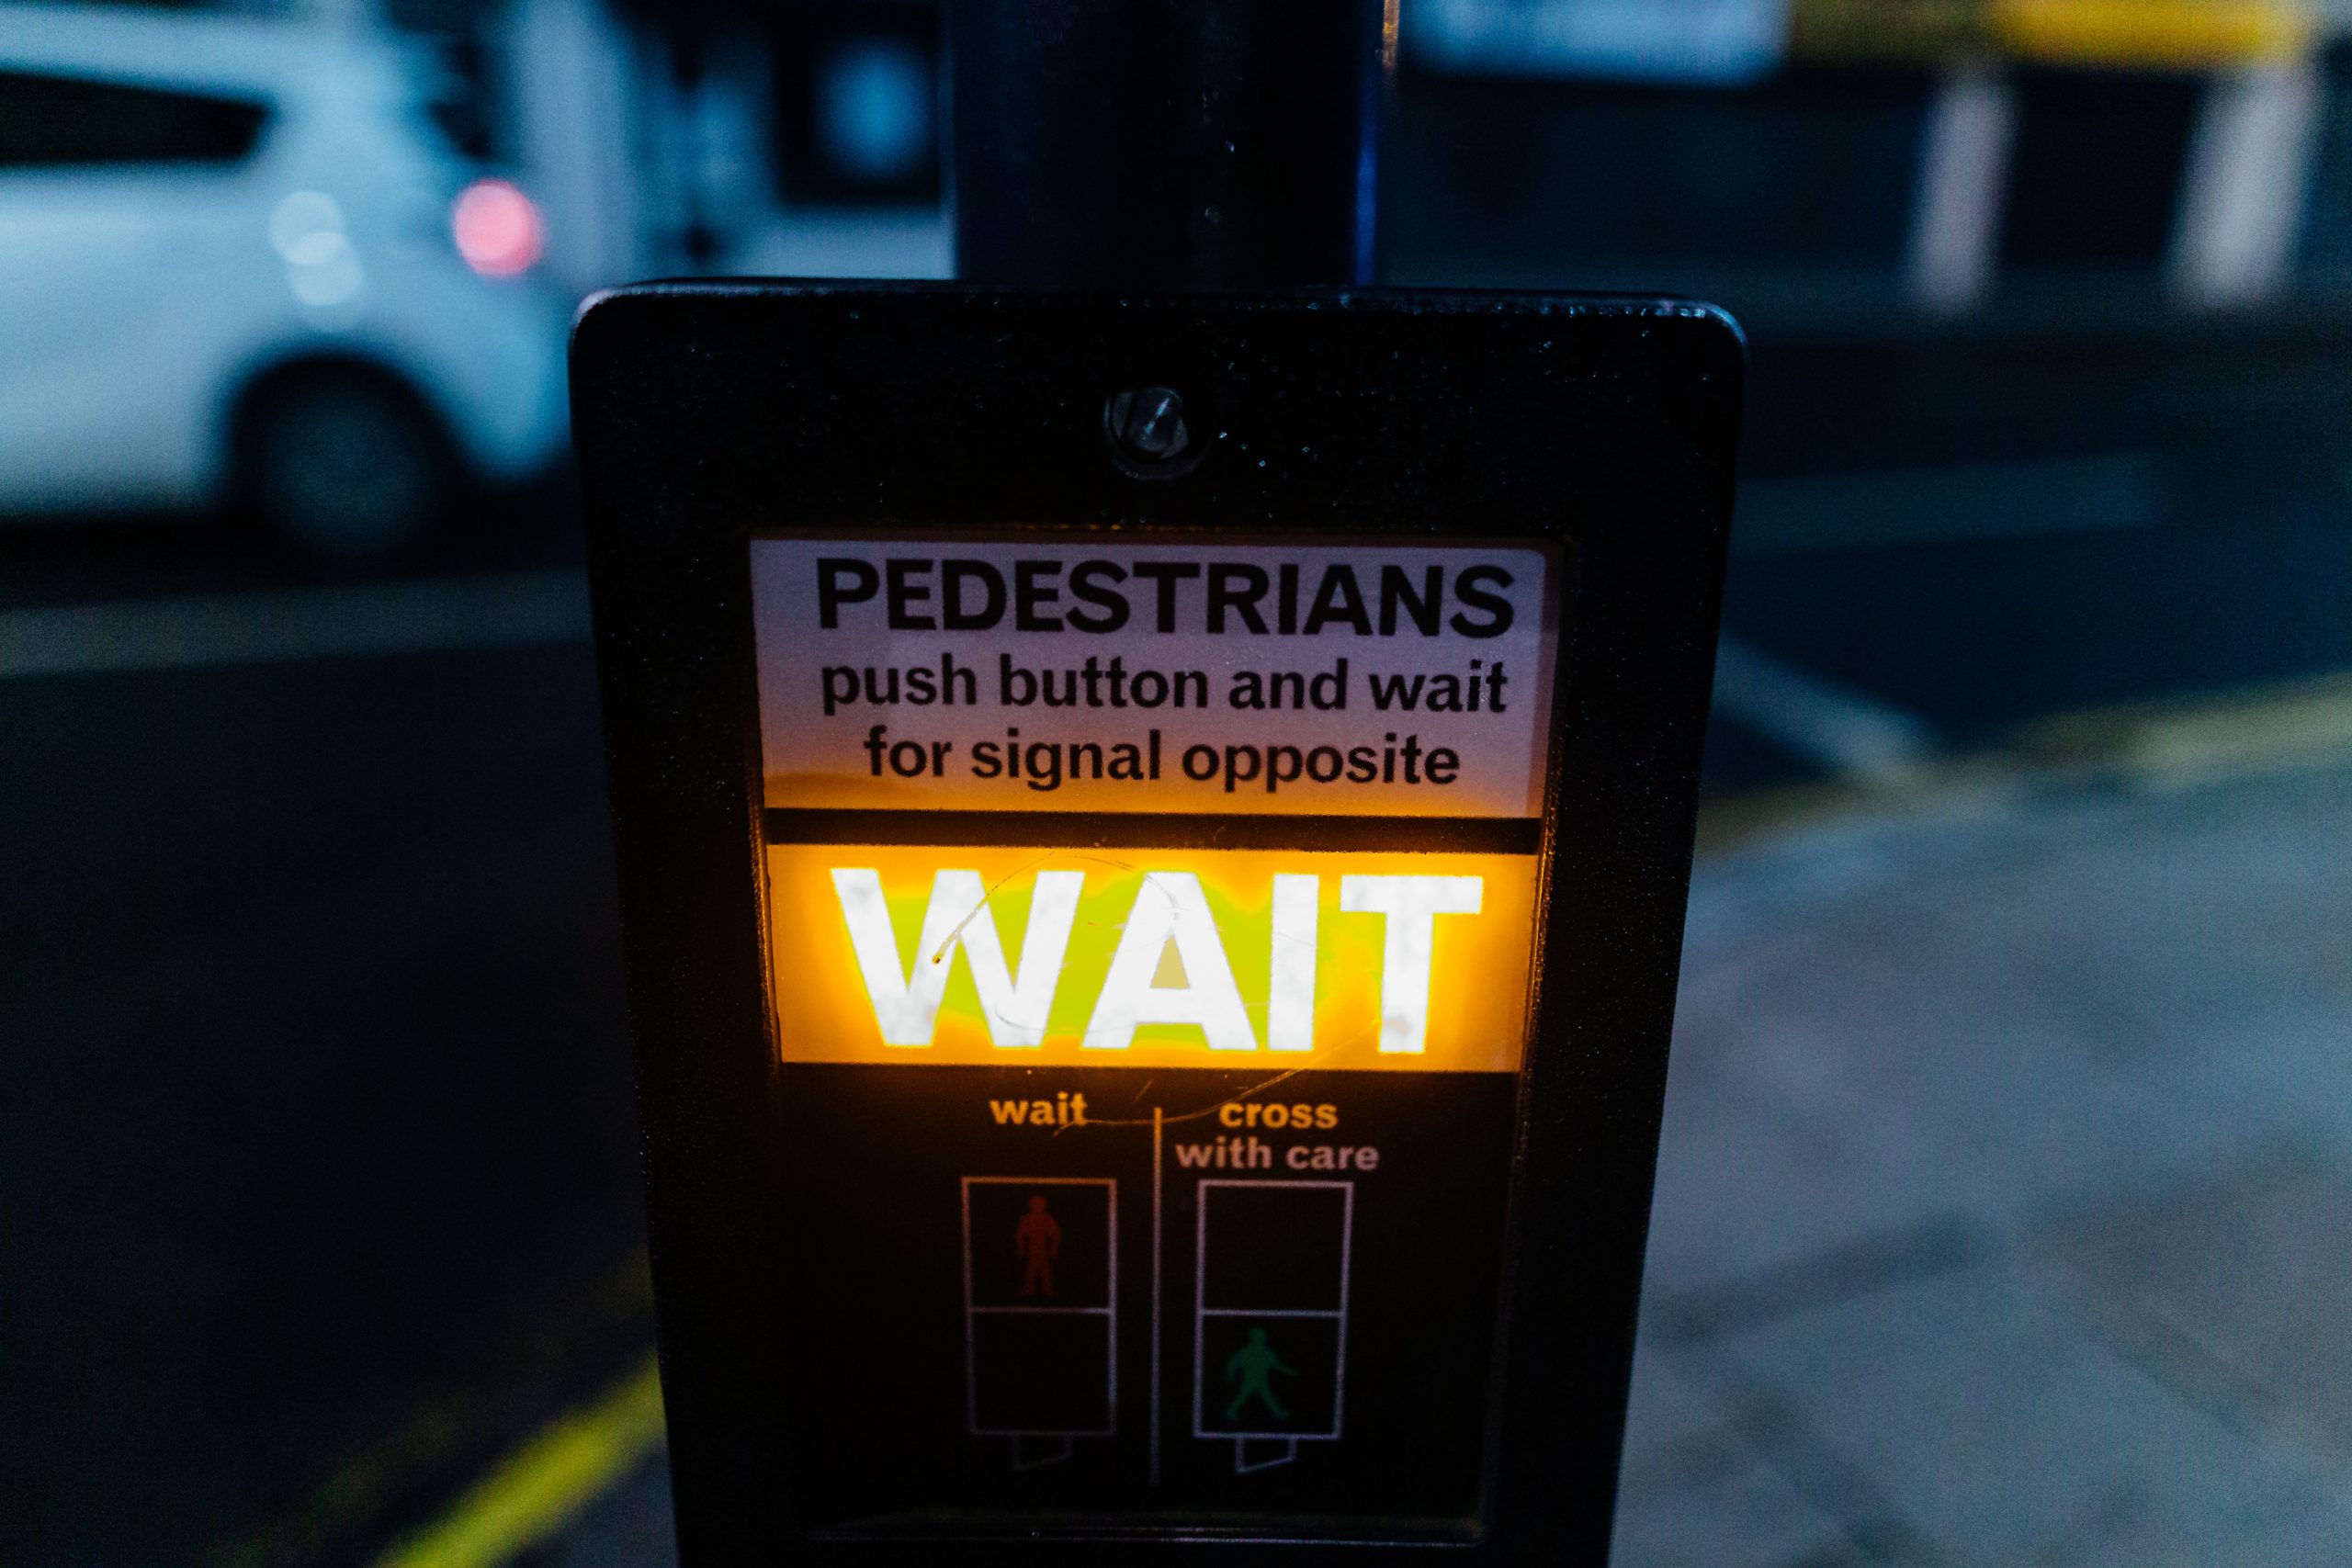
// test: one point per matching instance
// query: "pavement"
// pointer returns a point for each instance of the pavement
(2003, 1194)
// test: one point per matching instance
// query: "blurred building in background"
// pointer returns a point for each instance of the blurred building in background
(801, 140)
(1822, 155)
(1813, 156)
(1821, 166)
(1856, 157)
(1829, 169)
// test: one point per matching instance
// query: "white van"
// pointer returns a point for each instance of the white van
(239, 262)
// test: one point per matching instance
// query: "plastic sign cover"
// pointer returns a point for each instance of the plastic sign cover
(1233, 679)
(1382, 680)
(1152, 928)
(1151, 957)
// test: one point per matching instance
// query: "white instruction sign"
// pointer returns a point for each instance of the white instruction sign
(1097, 674)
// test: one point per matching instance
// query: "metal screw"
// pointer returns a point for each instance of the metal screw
(1148, 425)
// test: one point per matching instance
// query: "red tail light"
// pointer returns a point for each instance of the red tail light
(497, 229)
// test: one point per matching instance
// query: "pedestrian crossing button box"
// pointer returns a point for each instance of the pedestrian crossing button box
(1150, 981)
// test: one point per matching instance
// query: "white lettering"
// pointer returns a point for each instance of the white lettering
(1290, 959)
(1014, 1002)
(1411, 905)
(1171, 908)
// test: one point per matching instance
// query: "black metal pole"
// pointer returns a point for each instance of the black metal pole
(1167, 144)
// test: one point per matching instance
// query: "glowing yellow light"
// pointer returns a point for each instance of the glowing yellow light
(1151, 958)
(2175, 33)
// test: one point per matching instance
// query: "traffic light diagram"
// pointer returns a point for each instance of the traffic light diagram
(1269, 1320)
(1041, 1343)
(1270, 1329)
(1190, 1293)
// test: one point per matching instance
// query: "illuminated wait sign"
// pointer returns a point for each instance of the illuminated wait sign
(1016, 957)
(1150, 979)
(1147, 696)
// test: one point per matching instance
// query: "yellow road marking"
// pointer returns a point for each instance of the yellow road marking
(544, 1484)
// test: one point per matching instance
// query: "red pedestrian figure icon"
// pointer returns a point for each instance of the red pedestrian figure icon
(1038, 1239)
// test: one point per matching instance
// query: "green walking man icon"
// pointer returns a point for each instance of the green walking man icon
(1251, 1364)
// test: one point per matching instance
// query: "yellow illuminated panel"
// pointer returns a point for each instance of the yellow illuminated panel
(1151, 958)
